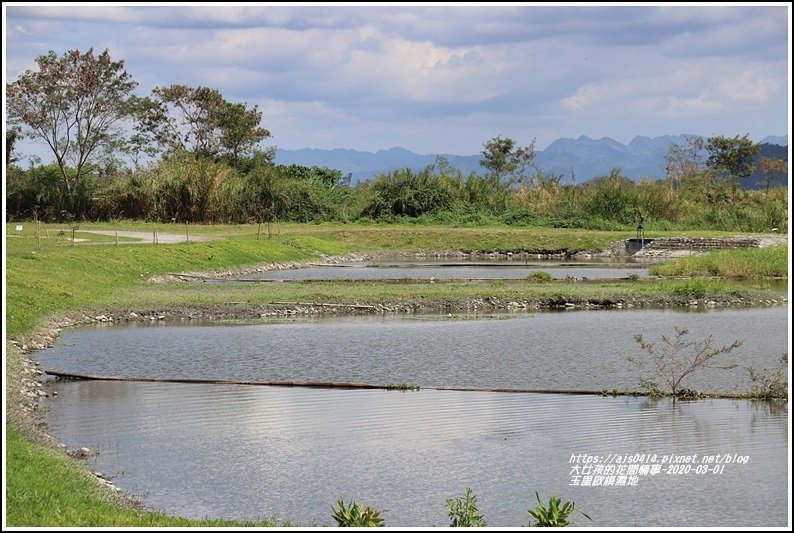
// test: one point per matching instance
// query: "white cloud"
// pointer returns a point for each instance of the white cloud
(440, 76)
(751, 83)
(105, 13)
(584, 97)
(746, 33)
(423, 72)
(680, 107)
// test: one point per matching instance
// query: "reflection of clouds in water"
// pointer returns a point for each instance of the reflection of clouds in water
(245, 451)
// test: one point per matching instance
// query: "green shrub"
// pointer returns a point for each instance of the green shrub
(697, 288)
(539, 276)
(356, 515)
(520, 217)
(555, 514)
(409, 193)
(463, 511)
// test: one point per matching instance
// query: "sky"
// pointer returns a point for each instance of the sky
(446, 78)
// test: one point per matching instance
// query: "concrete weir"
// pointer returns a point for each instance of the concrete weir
(680, 246)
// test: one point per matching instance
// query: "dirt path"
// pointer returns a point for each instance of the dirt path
(146, 237)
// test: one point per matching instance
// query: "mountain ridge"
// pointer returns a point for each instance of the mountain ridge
(579, 159)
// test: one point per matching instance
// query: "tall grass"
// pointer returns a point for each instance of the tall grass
(187, 187)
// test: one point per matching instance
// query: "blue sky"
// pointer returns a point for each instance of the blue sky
(445, 79)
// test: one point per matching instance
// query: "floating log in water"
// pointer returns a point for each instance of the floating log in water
(309, 384)
(315, 384)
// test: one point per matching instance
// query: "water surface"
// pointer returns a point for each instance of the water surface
(249, 452)
(459, 269)
(547, 350)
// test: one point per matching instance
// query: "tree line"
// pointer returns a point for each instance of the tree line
(186, 154)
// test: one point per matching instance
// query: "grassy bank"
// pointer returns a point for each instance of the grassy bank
(57, 278)
(749, 263)
(47, 277)
(424, 294)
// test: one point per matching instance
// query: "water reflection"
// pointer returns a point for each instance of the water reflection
(472, 270)
(247, 452)
(567, 350)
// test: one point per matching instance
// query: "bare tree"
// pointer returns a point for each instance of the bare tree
(773, 169)
(677, 358)
(684, 162)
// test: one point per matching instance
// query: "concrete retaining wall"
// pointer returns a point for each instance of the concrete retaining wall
(678, 246)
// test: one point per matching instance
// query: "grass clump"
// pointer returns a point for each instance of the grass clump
(770, 262)
(554, 514)
(356, 515)
(770, 384)
(539, 276)
(463, 511)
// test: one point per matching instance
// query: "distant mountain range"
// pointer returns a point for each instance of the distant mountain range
(586, 157)
(365, 165)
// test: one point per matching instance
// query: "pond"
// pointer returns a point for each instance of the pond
(457, 268)
(249, 452)
(546, 350)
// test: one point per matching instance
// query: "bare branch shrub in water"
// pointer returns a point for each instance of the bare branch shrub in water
(676, 358)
